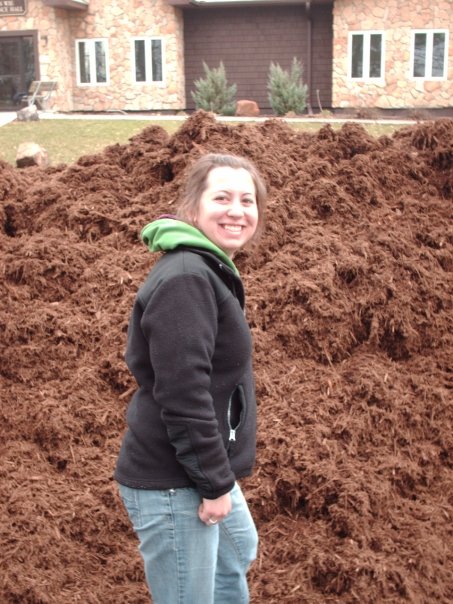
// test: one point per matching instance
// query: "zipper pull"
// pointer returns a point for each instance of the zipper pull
(232, 435)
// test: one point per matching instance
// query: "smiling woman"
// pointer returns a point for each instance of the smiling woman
(192, 421)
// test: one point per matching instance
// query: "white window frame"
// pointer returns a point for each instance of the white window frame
(148, 40)
(91, 44)
(429, 53)
(366, 56)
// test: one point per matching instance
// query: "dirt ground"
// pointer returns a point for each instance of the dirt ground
(350, 303)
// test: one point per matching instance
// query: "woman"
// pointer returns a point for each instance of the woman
(192, 420)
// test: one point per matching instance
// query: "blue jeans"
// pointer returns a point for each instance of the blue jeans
(186, 561)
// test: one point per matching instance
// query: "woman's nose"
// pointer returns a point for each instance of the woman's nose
(236, 208)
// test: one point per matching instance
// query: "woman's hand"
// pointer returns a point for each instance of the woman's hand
(212, 511)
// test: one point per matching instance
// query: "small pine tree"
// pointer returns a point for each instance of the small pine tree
(286, 92)
(213, 93)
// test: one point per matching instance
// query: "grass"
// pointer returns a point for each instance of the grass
(376, 129)
(66, 140)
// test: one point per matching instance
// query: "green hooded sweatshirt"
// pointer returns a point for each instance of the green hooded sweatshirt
(166, 234)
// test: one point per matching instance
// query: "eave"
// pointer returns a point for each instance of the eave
(67, 4)
(229, 3)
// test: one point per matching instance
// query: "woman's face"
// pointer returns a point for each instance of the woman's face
(227, 211)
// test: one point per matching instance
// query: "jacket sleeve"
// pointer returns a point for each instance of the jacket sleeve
(180, 325)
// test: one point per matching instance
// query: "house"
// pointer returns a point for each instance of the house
(144, 55)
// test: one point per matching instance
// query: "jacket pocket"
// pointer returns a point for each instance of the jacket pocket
(237, 406)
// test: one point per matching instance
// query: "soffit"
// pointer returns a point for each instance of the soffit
(67, 4)
(231, 3)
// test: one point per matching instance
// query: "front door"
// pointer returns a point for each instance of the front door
(17, 68)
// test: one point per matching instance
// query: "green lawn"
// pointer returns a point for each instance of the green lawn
(66, 140)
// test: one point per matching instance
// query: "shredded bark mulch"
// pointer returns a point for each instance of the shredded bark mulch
(349, 296)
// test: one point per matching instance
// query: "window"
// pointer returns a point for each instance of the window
(429, 54)
(92, 61)
(148, 60)
(366, 52)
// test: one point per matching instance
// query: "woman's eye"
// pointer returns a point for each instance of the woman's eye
(248, 200)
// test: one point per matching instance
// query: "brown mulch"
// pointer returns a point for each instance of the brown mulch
(350, 303)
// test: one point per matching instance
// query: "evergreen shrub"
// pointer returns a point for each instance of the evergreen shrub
(213, 93)
(286, 91)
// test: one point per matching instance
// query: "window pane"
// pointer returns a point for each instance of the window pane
(156, 55)
(419, 55)
(28, 57)
(357, 57)
(438, 55)
(84, 63)
(140, 66)
(101, 62)
(10, 70)
(375, 55)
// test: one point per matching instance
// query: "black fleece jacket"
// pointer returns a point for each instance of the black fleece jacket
(192, 420)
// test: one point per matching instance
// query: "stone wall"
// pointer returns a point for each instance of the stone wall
(397, 19)
(55, 52)
(119, 21)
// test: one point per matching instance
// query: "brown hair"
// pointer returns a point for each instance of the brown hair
(197, 182)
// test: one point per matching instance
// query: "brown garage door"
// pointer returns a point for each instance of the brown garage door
(248, 38)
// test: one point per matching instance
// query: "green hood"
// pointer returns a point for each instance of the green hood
(167, 234)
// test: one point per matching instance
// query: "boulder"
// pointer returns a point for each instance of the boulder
(31, 154)
(28, 114)
(247, 109)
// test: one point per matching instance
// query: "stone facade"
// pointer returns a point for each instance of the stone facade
(55, 59)
(119, 21)
(397, 20)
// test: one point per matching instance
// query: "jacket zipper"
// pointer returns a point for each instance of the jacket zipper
(232, 430)
(232, 435)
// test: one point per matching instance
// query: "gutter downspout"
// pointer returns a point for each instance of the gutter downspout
(309, 55)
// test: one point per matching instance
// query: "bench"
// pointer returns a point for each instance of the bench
(39, 93)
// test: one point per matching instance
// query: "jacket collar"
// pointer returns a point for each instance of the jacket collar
(168, 233)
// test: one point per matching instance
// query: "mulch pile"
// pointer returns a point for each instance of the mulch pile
(350, 302)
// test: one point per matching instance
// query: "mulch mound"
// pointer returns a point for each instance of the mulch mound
(350, 302)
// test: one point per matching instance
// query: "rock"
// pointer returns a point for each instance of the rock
(247, 109)
(31, 154)
(28, 114)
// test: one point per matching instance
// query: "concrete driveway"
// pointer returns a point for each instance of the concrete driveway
(6, 117)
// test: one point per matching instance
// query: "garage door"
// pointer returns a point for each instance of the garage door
(247, 39)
